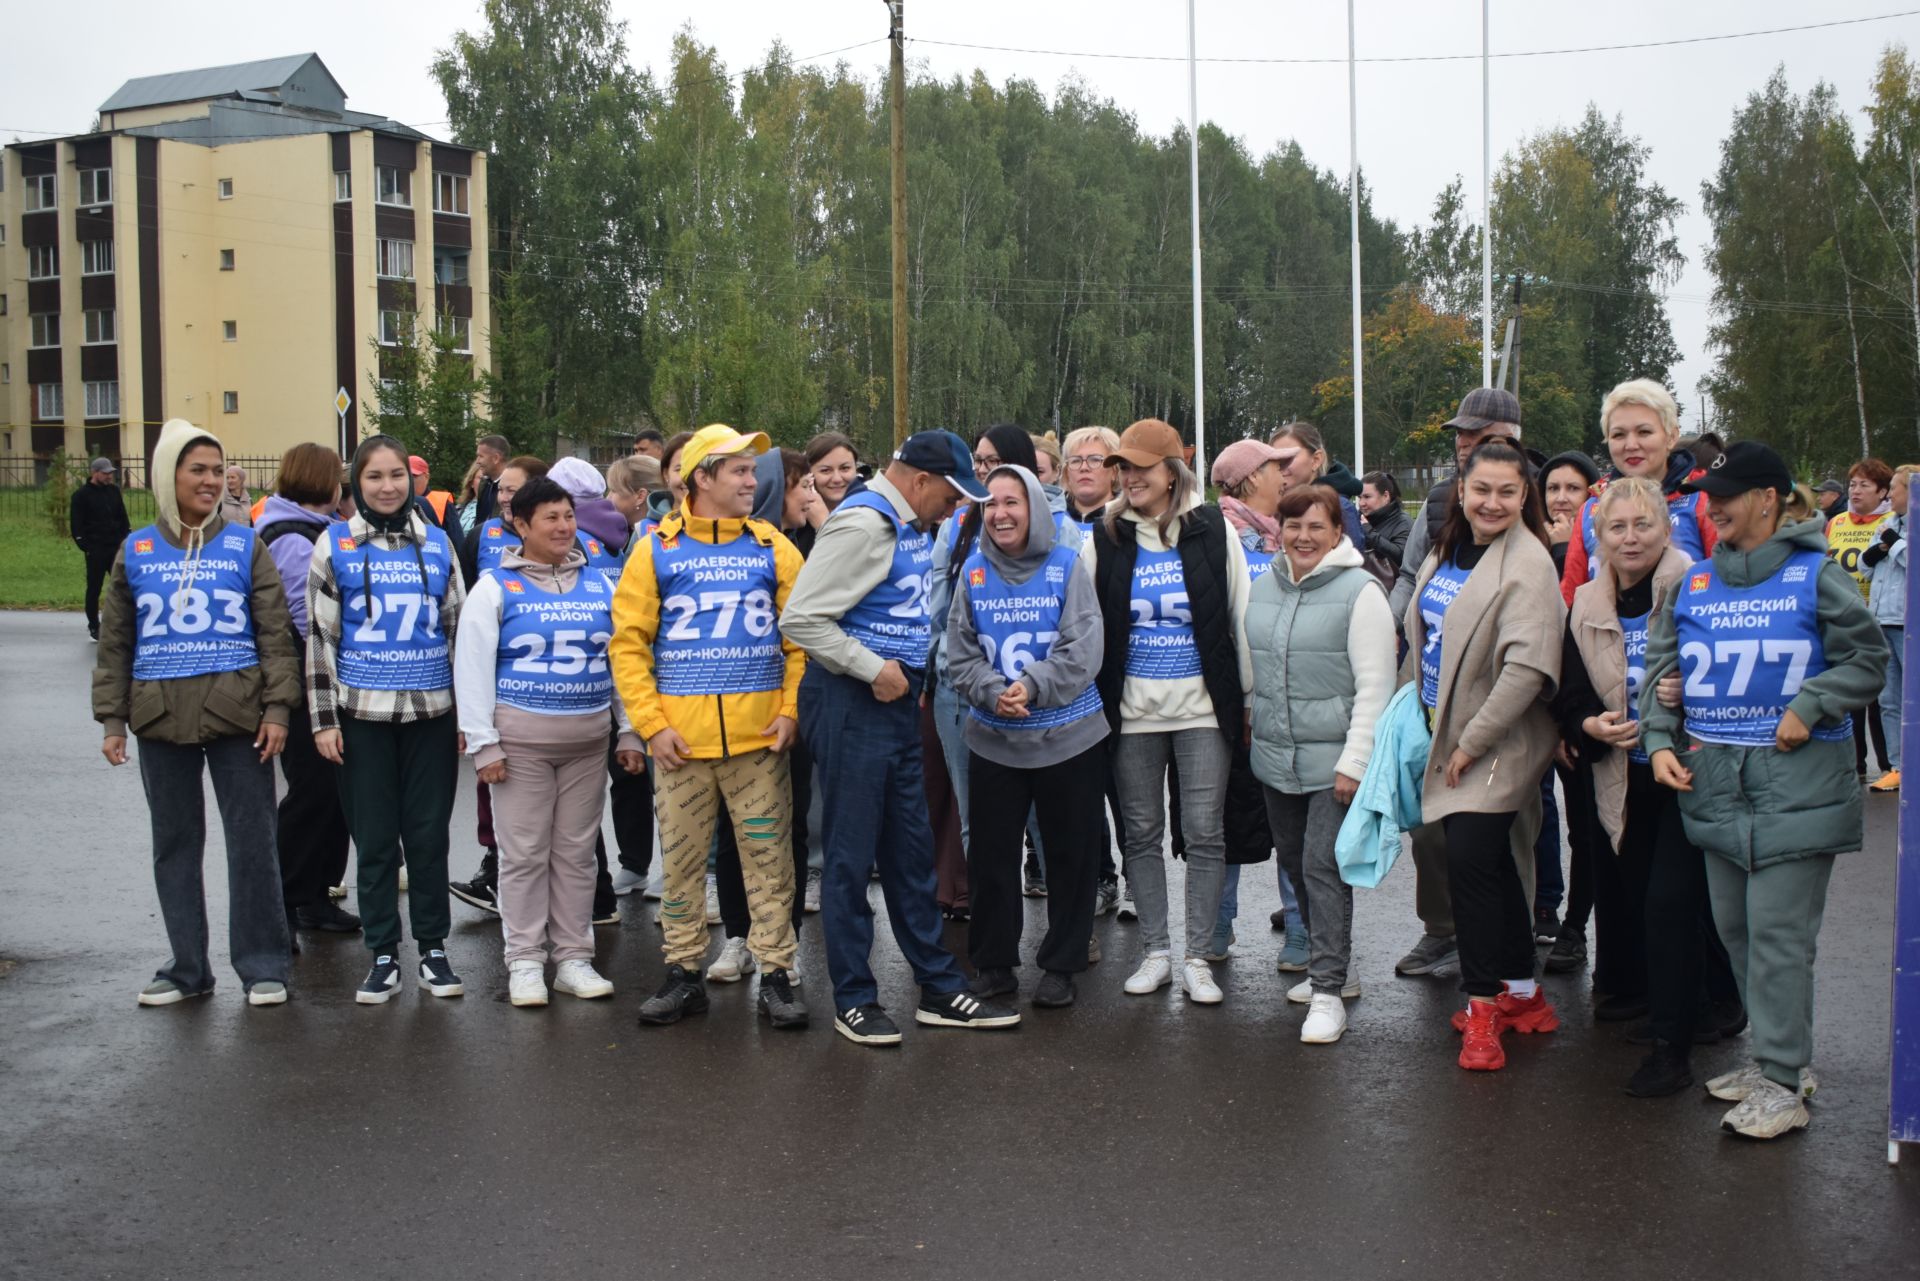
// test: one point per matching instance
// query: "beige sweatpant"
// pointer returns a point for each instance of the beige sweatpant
(760, 802)
(546, 816)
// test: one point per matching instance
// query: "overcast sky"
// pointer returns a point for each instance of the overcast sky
(1419, 121)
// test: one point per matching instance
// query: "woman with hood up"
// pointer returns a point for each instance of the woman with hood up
(1025, 639)
(383, 602)
(196, 659)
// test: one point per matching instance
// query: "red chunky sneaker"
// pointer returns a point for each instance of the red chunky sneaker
(1531, 1015)
(1480, 1049)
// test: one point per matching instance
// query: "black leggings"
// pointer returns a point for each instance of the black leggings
(1492, 920)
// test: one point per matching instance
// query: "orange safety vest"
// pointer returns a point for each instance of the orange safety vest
(438, 499)
(259, 505)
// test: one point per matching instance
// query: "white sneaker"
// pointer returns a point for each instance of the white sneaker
(1155, 972)
(1302, 992)
(337, 891)
(812, 901)
(1197, 978)
(656, 883)
(527, 983)
(713, 901)
(1736, 1085)
(1326, 1020)
(1127, 911)
(626, 881)
(580, 979)
(403, 878)
(1769, 1111)
(733, 964)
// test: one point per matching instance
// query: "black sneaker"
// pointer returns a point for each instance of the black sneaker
(607, 913)
(1106, 898)
(1569, 951)
(867, 1024)
(962, 1009)
(1055, 990)
(328, 917)
(1620, 1009)
(994, 982)
(382, 981)
(293, 934)
(682, 994)
(479, 892)
(1034, 884)
(1728, 1019)
(1546, 927)
(779, 1002)
(1663, 1072)
(437, 976)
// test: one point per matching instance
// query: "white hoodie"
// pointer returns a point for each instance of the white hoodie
(1149, 706)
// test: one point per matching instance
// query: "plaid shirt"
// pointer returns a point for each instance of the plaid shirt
(326, 696)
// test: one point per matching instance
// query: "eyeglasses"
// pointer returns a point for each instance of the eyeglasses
(985, 462)
(1086, 462)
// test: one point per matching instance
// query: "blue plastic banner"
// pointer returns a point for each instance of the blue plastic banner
(1903, 1120)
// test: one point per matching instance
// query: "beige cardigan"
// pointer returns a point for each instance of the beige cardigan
(1498, 667)
(1594, 625)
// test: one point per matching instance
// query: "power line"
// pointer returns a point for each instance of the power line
(1430, 57)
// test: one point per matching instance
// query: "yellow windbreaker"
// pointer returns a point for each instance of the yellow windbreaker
(715, 726)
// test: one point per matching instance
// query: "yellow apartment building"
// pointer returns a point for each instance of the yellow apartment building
(225, 246)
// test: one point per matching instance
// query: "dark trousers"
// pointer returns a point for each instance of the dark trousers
(312, 829)
(1549, 882)
(736, 918)
(1068, 798)
(1620, 892)
(1867, 721)
(99, 567)
(1492, 919)
(943, 816)
(256, 918)
(872, 780)
(396, 785)
(1584, 837)
(631, 798)
(1687, 965)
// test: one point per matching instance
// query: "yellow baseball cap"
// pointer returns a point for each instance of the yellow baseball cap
(718, 438)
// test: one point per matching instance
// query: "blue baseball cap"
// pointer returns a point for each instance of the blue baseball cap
(943, 454)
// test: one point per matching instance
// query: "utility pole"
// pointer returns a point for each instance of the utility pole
(1199, 333)
(1353, 200)
(896, 36)
(1486, 195)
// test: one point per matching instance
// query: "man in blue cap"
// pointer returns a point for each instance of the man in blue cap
(859, 610)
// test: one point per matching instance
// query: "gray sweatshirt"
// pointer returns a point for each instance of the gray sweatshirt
(1072, 661)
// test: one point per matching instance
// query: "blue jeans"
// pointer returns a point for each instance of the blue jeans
(948, 721)
(1230, 901)
(1891, 691)
(874, 814)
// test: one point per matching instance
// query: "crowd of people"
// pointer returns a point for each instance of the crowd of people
(973, 675)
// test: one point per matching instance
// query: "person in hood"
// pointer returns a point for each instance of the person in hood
(1771, 828)
(1024, 643)
(537, 705)
(1173, 586)
(312, 828)
(603, 529)
(1641, 425)
(1323, 648)
(383, 607)
(1306, 463)
(196, 660)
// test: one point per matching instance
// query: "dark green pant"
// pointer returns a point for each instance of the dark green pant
(396, 785)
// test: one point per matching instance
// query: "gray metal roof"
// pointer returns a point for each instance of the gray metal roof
(208, 82)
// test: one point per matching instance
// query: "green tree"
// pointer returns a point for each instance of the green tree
(423, 395)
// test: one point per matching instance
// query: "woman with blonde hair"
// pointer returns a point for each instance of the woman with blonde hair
(1305, 462)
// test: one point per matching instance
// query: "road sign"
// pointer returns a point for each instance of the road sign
(342, 402)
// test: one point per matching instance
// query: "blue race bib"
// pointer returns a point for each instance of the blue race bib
(1435, 599)
(390, 600)
(1161, 646)
(1017, 626)
(552, 657)
(191, 628)
(891, 620)
(717, 619)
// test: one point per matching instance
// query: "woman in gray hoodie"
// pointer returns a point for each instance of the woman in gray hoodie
(1024, 642)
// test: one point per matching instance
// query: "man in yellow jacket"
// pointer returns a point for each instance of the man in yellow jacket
(713, 687)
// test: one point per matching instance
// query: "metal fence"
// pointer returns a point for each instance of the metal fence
(23, 484)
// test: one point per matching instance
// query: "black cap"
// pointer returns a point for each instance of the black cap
(943, 454)
(1746, 465)
(1831, 486)
(1485, 406)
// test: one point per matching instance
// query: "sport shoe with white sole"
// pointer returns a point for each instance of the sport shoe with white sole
(1302, 993)
(579, 978)
(1769, 1111)
(1736, 1085)
(403, 878)
(713, 901)
(656, 883)
(1326, 1020)
(527, 983)
(1126, 911)
(1197, 978)
(267, 992)
(1155, 972)
(164, 992)
(963, 1009)
(626, 881)
(382, 981)
(437, 976)
(336, 891)
(811, 903)
(1429, 956)
(866, 1025)
(733, 964)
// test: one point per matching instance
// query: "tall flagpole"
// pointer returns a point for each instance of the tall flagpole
(1353, 184)
(1193, 167)
(1486, 200)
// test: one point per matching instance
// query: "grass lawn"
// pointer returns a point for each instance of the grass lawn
(37, 570)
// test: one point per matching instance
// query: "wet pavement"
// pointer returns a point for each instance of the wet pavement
(1123, 1137)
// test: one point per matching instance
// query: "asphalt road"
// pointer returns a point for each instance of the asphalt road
(1125, 1137)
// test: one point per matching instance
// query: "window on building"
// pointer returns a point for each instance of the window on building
(393, 186)
(43, 191)
(396, 259)
(96, 186)
(6, 373)
(450, 266)
(100, 327)
(229, 402)
(226, 260)
(96, 257)
(394, 326)
(230, 330)
(3, 230)
(43, 262)
(342, 185)
(225, 188)
(103, 400)
(450, 193)
(48, 401)
(44, 329)
(3, 304)
(459, 329)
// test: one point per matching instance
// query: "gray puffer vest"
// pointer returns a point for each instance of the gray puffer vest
(1302, 678)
